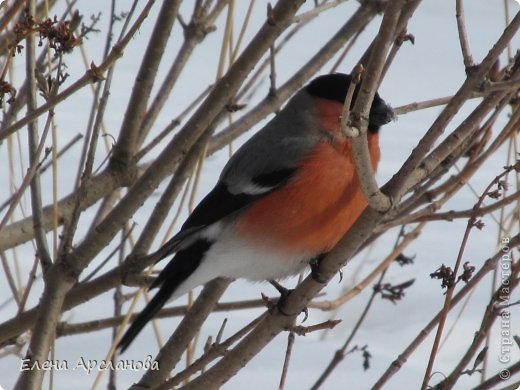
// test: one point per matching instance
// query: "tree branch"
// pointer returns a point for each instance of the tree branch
(127, 142)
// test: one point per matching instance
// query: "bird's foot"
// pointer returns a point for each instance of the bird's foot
(284, 293)
(315, 269)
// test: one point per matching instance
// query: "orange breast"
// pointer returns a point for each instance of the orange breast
(316, 208)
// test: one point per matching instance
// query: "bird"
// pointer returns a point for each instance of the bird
(284, 199)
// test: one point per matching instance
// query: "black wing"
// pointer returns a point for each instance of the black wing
(220, 202)
(216, 205)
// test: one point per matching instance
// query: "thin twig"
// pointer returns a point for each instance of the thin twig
(287, 359)
(15, 199)
(59, 280)
(498, 379)
(215, 350)
(404, 179)
(487, 267)
(463, 36)
(492, 312)
(341, 352)
(451, 286)
(94, 74)
(34, 148)
(10, 280)
(199, 27)
(187, 329)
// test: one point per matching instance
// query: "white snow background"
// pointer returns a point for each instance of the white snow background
(432, 67)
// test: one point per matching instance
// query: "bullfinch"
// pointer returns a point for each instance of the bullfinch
(285, 198)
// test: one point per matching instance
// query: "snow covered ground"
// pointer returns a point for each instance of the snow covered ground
(432, 67)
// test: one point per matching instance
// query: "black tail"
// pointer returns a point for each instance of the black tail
(184, 263)
(157, 302)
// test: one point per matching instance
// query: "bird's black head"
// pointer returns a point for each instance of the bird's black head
(335, 86)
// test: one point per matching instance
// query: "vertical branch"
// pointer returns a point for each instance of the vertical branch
(32, 128)
(92, 75)
(404, 179)
(288, 353)
(86, 177)
(60, 277)
(10, 280)
(492, 312)
(488, 266)
(33, 169)
(452, 283)
(118, 303)
(426, 176)
(360, 113)
(53, 294)
(340, 353)
(463, 36)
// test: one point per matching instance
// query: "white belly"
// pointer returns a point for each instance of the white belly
(234, 258)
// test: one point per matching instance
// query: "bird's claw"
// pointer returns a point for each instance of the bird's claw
(315, 270)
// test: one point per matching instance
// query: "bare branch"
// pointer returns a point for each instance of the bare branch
(488, 266)
(360, 113)
(463, 36)
(127, 142)
(179, 340)
(404, 180)
(94, 74)
(32, 128)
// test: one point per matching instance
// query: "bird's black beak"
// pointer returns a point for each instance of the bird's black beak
(381, 113)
